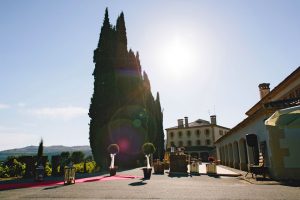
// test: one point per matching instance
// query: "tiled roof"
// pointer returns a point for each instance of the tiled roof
(197, 123)
(196, 148)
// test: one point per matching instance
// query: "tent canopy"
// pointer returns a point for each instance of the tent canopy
(286, 118)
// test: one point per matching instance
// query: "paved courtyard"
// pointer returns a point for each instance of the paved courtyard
(159, 187)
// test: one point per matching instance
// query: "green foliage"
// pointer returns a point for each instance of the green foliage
(48, 169)
(122, 98)
(40, 149)
(4, 171)
(89, 158)
(64, 160)
(160, 138)
(90, 167)
(16, 168)
(65, 155)
(113, 149)
(77, 157)
(148, 148)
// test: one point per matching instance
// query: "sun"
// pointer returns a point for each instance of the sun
(178, 57)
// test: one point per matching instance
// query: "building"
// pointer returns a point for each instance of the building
(279, 145)
(197, 137)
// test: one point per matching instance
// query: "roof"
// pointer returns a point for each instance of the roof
(283, 103)
(295, 74)
(196, 148)
(197, 123)
(258, 108)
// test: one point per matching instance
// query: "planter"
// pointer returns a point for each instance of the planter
(69, 175)
(166, 165)
(211, 168)
(194, 167)
(159, 168)
(147, 173)
(178, 163)
(113, 171)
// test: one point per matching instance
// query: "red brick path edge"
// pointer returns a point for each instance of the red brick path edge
(8, 186)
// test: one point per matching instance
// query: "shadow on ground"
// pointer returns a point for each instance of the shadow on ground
(54, 187)
(139, 183)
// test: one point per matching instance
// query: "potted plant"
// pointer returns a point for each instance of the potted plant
(148, 149)
(211, 167)
(113, 149)
(159, 167)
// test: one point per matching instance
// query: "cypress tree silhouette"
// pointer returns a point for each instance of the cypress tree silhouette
(160, 141)
(123, 110)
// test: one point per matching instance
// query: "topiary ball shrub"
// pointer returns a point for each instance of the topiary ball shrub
(113, 149)
(148, 148)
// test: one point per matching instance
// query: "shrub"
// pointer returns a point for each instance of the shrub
(4, 171)
(90, 167)
(77, 157)
(17, 169)
(48, 169)
(113, 149)
(148, 148)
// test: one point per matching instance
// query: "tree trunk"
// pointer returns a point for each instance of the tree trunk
(148, 162)
(112, 164)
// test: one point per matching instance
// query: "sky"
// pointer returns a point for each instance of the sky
(203, 57)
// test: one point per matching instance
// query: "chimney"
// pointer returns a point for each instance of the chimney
(264, 89)
(180, 123)
(213, 119)
(186, 122)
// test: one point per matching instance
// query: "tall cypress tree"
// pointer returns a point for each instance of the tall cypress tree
(160, 141)
(122, 109)
(102, 102)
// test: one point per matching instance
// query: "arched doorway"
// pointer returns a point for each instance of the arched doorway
(243, 155)
(230, 155)
(226, 155)
(236, 154)
(204, 156)
(195, 155)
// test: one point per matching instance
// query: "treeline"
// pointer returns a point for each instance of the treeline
(24, 166)
(123, 109)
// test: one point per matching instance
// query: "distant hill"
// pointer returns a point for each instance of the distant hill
(49, 151)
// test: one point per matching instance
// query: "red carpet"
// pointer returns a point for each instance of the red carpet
(51, 183)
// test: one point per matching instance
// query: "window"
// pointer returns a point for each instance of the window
(189, 133)
(180, 144)
(171, 134)
(198, 133)
(207, 142)
(172, 144)
(198, 142)
(180, 134)
(207, 132)
(221, 132)
(189, 143)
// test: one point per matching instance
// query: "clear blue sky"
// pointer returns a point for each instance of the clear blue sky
(202, 56)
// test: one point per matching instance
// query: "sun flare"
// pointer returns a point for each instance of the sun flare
(178, 57)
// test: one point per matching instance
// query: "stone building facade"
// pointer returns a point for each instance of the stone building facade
(278, 145)
(197, 137)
